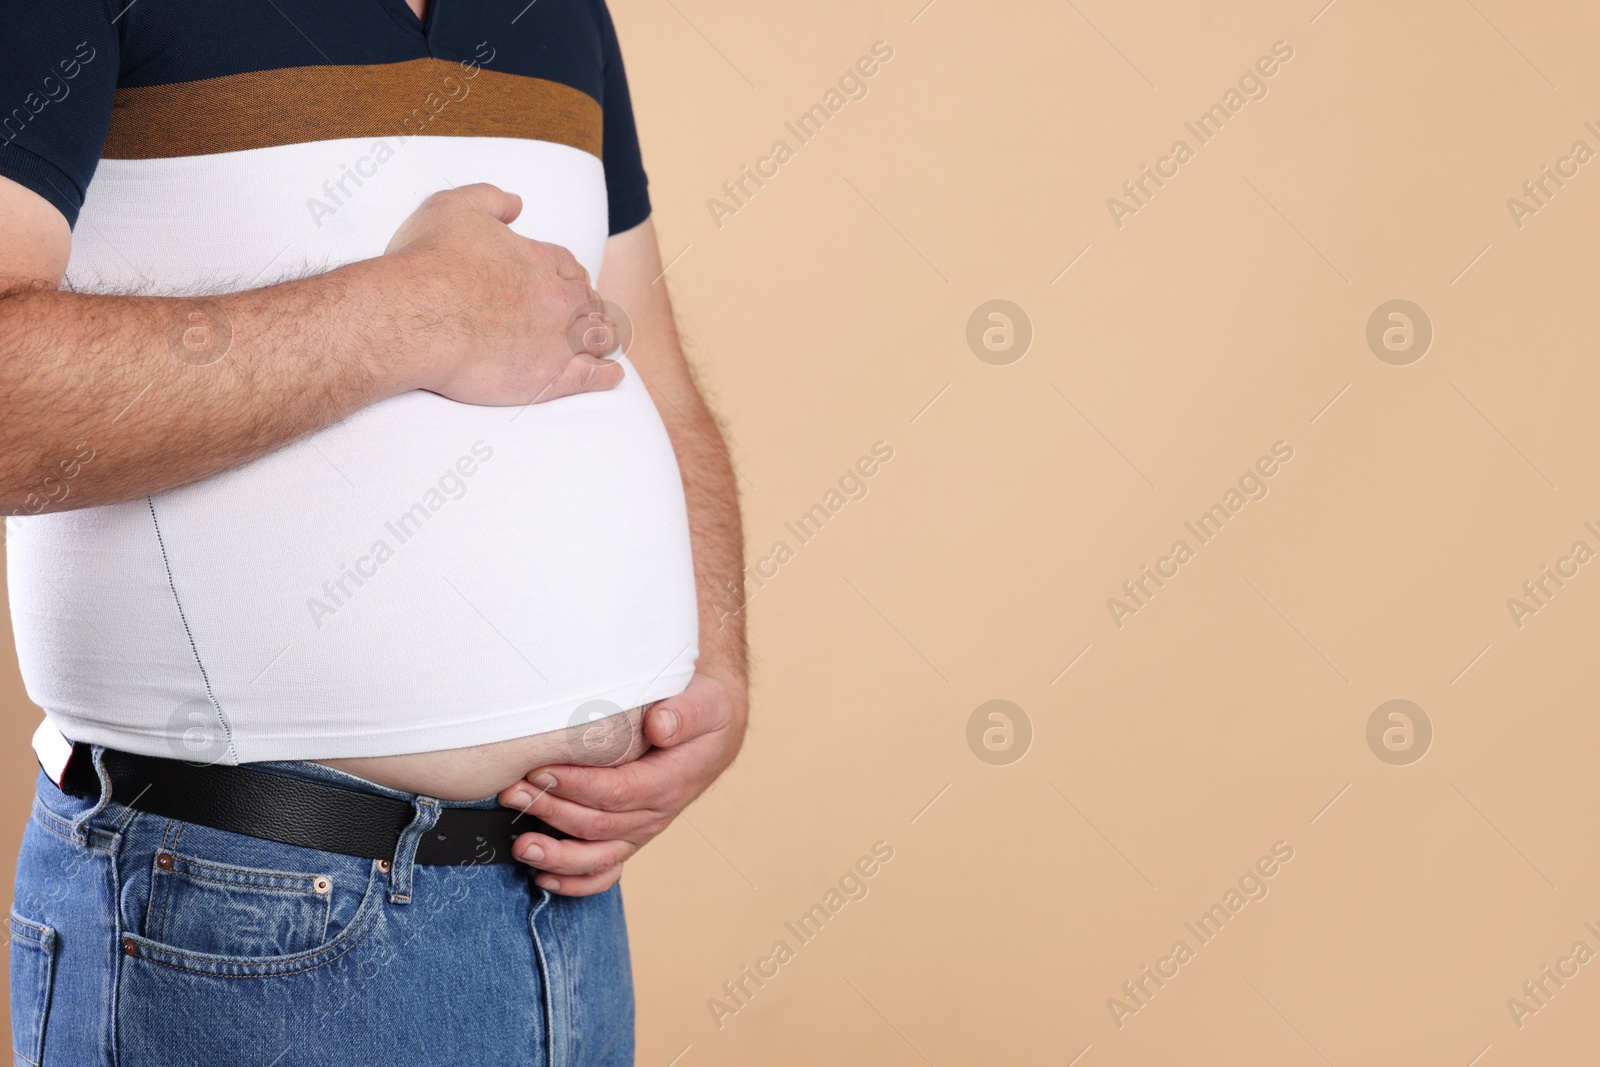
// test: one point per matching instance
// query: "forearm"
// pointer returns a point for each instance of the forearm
(716, 534)
(163, 392)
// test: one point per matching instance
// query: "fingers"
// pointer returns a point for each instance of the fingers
(567, 265)
(570, 857)
(482, 198)
(580, 887)
(701, 708)
(593, 334)
(612, 740)
(576, 799)
(560, 260)
(637, 823)
(586, 374)
(655, 786)
(493, 201)
(663, 726)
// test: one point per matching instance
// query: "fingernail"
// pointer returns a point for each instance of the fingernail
(521, 798)
(533, 853)
(551, 884)
(669, 718)
(545, 781)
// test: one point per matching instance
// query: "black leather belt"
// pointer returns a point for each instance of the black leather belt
(294, 811)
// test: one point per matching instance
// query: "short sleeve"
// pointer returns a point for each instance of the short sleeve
(626, 184)
(58, 79)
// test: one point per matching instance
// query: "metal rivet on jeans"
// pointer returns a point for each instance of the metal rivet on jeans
(164, 860)
(130, 946)
(383, 865)
(321, 884)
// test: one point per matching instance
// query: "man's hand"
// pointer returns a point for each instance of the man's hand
(492, 311)
(458, 305)
(616, 811)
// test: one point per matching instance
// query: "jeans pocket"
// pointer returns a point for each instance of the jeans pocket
(33, 963)
(203, 906)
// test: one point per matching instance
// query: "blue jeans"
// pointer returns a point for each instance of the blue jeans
(137, 941)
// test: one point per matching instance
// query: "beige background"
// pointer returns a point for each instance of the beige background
(1230, 713)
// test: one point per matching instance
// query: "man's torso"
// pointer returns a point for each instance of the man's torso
(424, 575)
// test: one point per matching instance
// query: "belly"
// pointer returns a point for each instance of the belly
(476, 771)
(424, 577)
(426, 584)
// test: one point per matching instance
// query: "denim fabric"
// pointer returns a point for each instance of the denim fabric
(139, 941)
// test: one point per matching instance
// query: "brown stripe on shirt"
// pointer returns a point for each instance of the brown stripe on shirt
(296, 105)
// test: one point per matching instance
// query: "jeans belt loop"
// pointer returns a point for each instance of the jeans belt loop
(405, 852)
(80, 825)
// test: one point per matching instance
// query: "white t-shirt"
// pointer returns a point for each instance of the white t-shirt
(422, 575)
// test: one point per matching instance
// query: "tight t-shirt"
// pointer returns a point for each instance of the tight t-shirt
(423, 574)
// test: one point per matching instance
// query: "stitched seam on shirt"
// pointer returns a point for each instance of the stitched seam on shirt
(173, 585)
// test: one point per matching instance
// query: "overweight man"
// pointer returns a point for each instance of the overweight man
(375, 560)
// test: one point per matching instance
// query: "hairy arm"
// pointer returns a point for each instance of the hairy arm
(113, 378)
(162, 391)
(630, 278)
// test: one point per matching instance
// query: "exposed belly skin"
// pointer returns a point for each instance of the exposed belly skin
(484, 770)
